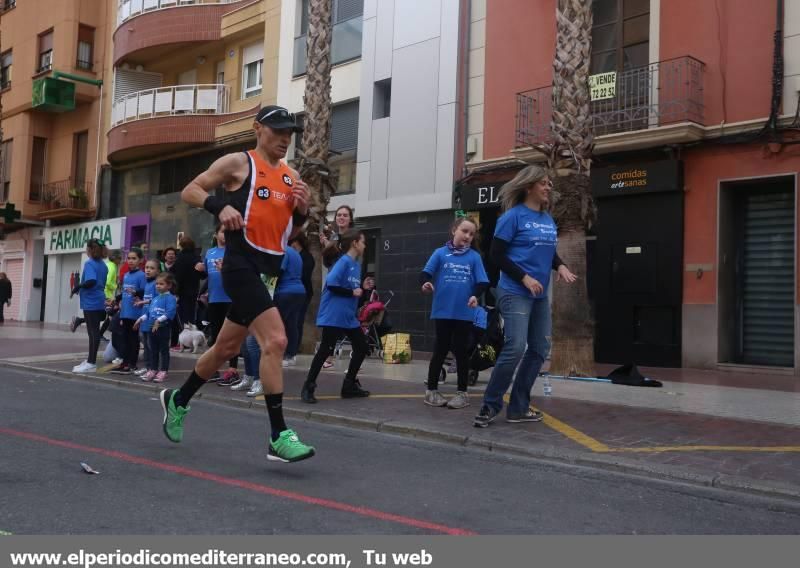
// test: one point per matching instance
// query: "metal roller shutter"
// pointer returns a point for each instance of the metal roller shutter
(13, 269)
(767, 301)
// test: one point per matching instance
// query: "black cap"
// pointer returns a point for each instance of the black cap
(278, 117)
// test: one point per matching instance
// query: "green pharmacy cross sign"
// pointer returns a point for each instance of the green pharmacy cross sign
(10, 214)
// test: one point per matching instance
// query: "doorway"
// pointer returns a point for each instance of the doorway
(757, 272)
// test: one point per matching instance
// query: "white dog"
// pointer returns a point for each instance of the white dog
(191, 338)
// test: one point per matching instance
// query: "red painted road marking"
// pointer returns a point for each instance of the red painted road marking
(258, 488)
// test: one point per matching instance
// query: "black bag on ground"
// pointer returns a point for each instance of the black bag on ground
(629, 375)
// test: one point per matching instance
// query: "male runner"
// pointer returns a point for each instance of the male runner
(265, 201)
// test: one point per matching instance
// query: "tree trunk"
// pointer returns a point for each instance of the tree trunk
(570, 159)
(313, 167)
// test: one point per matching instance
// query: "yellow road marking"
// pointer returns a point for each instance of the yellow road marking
(655, 449)
(575, 435)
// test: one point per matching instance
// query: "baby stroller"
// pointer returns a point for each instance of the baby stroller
(374, 323)
(485, 345)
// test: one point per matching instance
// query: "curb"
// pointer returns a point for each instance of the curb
(607, 462)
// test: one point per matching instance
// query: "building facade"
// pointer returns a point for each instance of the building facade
(51, 83)
(693, 258)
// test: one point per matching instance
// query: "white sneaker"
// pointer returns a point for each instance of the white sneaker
(85, 368)
(289, 362)
(78, 366)
(256, 390)
(140, 372)
(244, 384)
(117, 361)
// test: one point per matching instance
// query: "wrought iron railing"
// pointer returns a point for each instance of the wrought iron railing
(128, 9)
(167, 101)
(667, 92)
(65, 194)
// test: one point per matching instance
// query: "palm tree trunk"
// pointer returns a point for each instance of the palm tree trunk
(573, 209)
(316, 141)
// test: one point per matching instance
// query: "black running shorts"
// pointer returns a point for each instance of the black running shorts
(248, 294)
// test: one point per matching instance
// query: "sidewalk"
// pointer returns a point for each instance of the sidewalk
(693, 429)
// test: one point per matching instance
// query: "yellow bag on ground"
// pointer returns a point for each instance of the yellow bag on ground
(397, 348)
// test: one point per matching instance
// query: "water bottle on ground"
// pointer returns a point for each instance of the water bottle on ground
(547, 387)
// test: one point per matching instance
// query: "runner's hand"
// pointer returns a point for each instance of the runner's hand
(427, 288)
(533, 285)
(231, 219)
(300, 193)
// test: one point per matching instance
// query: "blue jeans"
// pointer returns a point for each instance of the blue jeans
(291, 309)
(527, 323)
(252, 356)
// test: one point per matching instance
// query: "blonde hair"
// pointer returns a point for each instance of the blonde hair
(514, 192)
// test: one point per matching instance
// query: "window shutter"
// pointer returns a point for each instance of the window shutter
(127, 81)
(346, 9)
(344, 127)
(253, 53)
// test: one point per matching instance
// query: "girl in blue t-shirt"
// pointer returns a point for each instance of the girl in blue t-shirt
(337, 316)
(455, 276)
(524, 247)
(93, 301)
(133, 284)
(290, 297)
(156, 322)
(151, 269)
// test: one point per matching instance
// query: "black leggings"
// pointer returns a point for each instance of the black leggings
(450, 335)
(93, 320)
(131, 355)
(330, 335)
(216, 317)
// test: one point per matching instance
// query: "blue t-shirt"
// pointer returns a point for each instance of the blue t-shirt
(291, 279)
(132, 284)
(161, 306)
(532, 238)
(454, 280)
(216, 293)
(336, 310)
(94, 298)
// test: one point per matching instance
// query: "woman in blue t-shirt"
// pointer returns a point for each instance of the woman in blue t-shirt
(290, 297)
(93, 301)
(524, 247)
(218, 301)
(337, 316)
(455, 276)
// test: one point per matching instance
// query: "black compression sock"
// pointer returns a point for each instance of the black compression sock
(189, 388)
(275, 411)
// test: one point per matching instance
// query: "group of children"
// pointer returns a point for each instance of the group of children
(147, 305)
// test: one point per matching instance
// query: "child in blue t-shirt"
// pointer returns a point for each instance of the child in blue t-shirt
(133, 284)
(290, 297)
(156, 323)
(93, 301)
(151, 269)
(337, 316)
(455, 276)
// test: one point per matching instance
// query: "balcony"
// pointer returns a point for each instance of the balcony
(66, 200)
(660, 94)
(149, 29)
(150, 122)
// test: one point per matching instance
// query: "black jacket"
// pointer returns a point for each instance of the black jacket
(5, 290)
(188, 278)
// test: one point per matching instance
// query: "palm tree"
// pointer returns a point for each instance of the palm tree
(569, 158)
(313, 162)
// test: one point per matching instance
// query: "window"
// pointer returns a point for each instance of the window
(5, 170)
(346, 42)
(620, 35)
(45, 52)
(5, 69)
(252, 70)
(80, 146)
(382, 99)
(38, 162)
(85, 59)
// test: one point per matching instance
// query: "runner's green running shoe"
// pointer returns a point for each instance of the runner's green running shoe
(288, 448)
(173, 415)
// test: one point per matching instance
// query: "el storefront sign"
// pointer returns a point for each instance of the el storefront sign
(477, 196)
(649, 177)
(72, 238)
